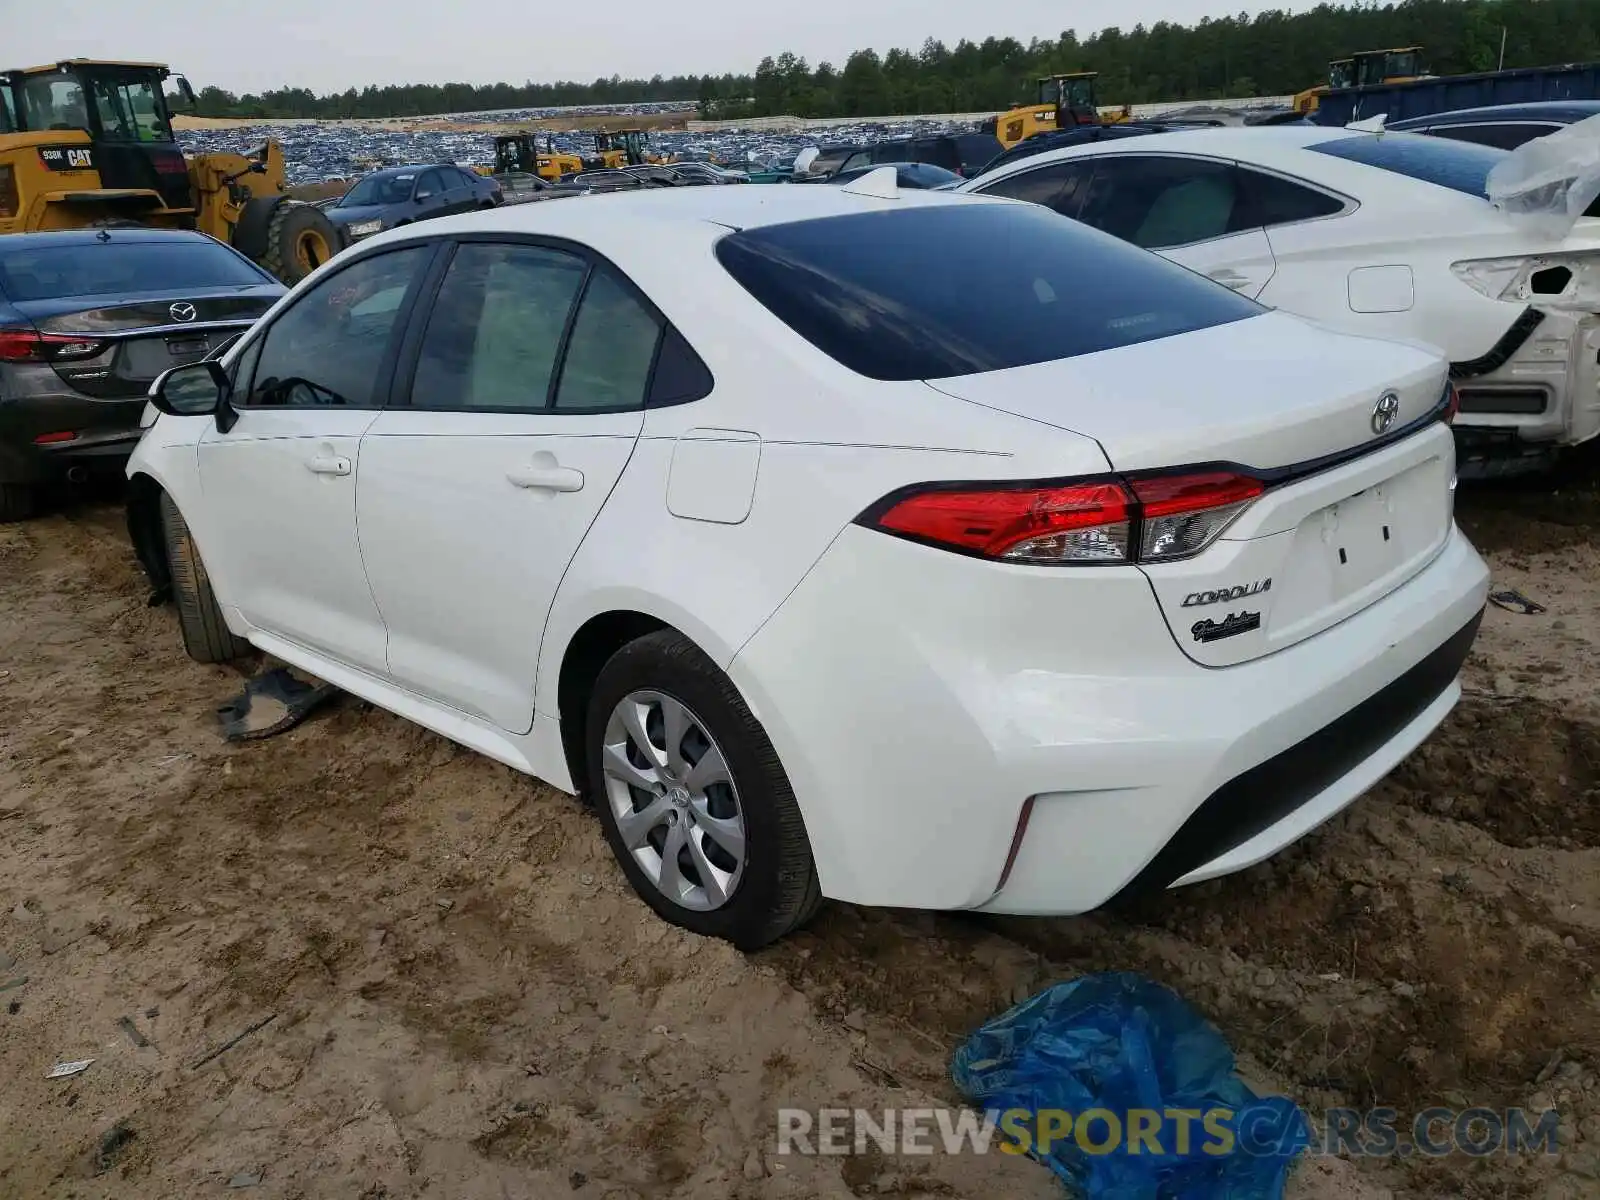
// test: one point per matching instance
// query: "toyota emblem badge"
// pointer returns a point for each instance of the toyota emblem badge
(184, 311)
(1384, 412)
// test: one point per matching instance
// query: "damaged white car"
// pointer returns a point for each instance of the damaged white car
(1387, 234)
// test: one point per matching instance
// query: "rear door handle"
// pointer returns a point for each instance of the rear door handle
(550, 479)
(329, 464)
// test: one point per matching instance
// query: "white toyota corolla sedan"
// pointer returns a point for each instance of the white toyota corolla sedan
(910, 549)
(1389, 234)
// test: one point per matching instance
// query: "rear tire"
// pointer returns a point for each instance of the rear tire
(16, 502)
(769, 887)
(206, 636)
(300, 238)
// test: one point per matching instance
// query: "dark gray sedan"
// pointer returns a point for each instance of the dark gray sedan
(88, 319)
(400, 195)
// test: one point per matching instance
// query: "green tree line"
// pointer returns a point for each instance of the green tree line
(1274, 53)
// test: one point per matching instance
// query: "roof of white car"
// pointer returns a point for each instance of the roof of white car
(738, 206)
(1258, 144)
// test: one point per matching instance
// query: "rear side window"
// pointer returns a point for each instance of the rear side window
(1277, 201)
(1159, 201)
(957, 289)
(1459, 166)
(613, 344)
(112, 267)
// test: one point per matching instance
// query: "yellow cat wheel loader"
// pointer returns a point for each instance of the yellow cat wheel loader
(528, 154)
(87, 143)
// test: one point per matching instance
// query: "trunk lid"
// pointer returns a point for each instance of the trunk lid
(1193, 403)
(140, 336)
(1339, 527)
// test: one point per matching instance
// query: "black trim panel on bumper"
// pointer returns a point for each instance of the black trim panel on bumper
(1262, 796)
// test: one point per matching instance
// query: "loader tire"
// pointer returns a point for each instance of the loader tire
(206, 637)
(300, 238)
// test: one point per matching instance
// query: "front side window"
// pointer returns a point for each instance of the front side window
(494, 335)
(944, 290)
(328, 348)
(1163, 201)
(431, 184)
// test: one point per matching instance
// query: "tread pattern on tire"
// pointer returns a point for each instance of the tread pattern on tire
(278, 257)
(798, 892)
(206, 637)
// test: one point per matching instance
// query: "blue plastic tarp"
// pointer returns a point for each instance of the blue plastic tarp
(1124, 1091)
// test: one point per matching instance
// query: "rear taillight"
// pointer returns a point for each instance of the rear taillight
(1159, 518)
(31, 346)
(1452, 403)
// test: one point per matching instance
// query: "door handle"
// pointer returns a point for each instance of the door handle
(329, 464)
(550, 479)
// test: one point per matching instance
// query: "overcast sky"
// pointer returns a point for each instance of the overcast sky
(330, 45)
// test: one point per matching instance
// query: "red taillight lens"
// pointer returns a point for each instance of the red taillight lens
(1085, 522)
(1151, 519)
(1452, 403)
(51, 439)
(31, 346)
(1183, 514)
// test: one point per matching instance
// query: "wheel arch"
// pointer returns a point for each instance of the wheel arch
(589, 649)
(143, 511)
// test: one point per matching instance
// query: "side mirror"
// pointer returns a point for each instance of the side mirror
(193, 390)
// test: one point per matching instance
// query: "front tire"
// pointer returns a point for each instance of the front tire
(206, 637)
(300, 238)
(692, 797)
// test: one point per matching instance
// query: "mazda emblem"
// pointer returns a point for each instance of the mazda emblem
(184, 311)
(1384, 412)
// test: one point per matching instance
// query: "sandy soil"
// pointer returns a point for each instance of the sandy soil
(462, 999)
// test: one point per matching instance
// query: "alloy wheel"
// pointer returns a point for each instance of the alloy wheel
(674, 800)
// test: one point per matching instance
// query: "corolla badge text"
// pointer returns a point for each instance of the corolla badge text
(1223, 595)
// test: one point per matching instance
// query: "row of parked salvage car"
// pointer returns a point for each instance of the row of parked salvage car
(906, 547)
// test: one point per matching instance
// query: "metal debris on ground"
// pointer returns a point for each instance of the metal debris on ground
(128, 1027)
(64, 1070)
(271, 703)
(1514, 601)
(248, 1179)
(233, 1041)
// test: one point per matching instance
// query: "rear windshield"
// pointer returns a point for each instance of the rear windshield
(95, 269)
(959, 289)
(1459, 166)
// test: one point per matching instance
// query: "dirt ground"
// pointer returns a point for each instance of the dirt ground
(462, 999)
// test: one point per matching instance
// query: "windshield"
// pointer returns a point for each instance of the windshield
(1459, 166)
(108, 268)
(379, 189)
(957, 289)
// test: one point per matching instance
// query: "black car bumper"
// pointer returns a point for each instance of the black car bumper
(35, 446)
